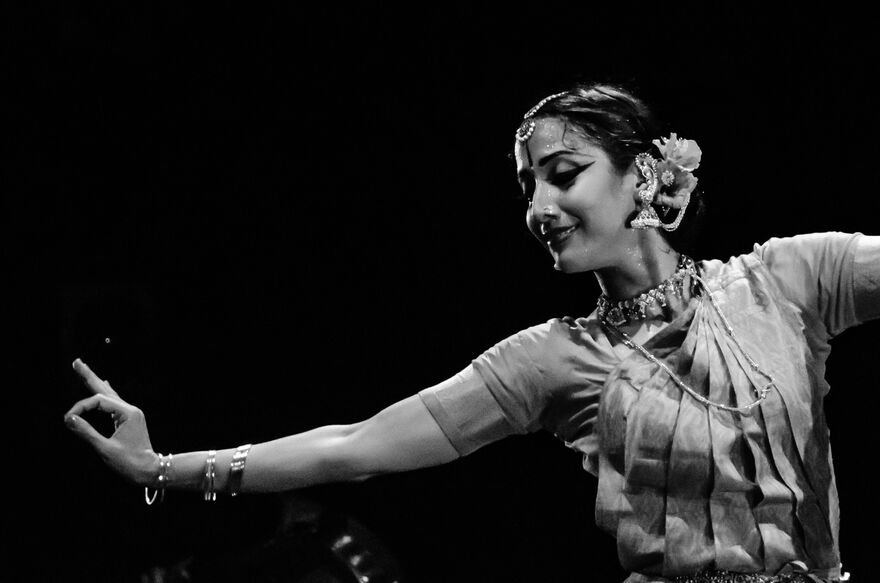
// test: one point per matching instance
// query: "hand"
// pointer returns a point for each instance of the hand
(128, 450)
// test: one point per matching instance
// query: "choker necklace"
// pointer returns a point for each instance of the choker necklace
(625, 311)
(620, 310)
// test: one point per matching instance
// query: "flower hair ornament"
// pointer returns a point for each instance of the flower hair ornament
(669, 181)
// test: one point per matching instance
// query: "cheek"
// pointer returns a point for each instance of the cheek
(607, 202)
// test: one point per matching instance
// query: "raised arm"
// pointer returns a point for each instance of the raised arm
(401, 437)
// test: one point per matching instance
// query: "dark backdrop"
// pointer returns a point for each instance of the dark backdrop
(254, 222)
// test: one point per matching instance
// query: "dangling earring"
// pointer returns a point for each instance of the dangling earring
(647, 217)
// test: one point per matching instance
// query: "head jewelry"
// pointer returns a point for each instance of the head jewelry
(527, 128)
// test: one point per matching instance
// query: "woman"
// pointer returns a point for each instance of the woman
(694, 390)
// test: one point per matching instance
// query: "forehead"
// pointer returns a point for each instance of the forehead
(550, 135)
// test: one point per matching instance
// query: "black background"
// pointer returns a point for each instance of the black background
(284, 218)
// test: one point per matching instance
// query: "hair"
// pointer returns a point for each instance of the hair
(623, 126)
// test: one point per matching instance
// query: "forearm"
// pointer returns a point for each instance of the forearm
(297, 461)
(403, 436)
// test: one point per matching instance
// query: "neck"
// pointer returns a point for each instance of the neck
(644, 269)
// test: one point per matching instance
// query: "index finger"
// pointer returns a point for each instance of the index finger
(92, 381)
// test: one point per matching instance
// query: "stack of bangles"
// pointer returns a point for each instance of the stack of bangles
(236, 471)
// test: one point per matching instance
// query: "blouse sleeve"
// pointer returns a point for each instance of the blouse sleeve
(467, 412)
(832, 277)
(505, 391)
(867, 279)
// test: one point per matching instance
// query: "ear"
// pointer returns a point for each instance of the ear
(634, 181)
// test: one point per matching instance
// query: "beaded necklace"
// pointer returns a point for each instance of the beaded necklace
(612, 315)
(636, 308)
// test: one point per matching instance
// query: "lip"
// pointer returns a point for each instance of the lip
(556, 236)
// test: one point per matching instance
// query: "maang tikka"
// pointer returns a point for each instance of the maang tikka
(527, 127)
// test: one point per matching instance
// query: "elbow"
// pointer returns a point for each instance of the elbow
(344, 459)
(358, 455)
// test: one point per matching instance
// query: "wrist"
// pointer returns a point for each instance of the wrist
(150, 471)
(161, 480)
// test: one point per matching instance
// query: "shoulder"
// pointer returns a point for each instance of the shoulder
(795, 256)
(553, 352)
(555, 336)
(809, 251)
(810, 275)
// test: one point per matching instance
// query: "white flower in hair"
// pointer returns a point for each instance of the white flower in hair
(680, 158)
(685, 154)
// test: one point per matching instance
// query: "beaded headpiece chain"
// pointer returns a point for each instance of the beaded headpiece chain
(527, 128)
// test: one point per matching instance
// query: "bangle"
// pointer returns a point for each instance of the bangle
(210, 494)
(164, 470)
(236, 468)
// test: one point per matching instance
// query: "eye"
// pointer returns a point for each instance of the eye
(564, 179)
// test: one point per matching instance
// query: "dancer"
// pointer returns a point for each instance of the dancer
(693, 389)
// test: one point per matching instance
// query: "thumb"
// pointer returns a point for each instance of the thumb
(84, 430)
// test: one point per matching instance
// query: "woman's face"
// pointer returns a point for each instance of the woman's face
(579, 205)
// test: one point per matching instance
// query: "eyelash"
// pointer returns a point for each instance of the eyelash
(566, 178)
(560, 180)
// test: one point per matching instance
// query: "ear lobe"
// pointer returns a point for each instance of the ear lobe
(635, 178)
(634, 171)
(638, 190)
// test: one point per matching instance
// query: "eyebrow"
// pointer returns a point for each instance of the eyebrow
(526, 173)
(556, 154)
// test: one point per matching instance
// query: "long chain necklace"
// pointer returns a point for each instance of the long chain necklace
(686, 264)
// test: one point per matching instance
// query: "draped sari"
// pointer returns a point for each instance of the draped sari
(682, 486)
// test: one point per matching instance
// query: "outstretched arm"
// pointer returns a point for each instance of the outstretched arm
(402, 437)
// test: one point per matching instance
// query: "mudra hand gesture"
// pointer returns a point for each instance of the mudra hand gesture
(128, 450)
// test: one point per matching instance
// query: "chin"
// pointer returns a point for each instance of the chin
(561, 263)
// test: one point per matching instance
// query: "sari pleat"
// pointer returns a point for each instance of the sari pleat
(771, 499)
(736, 535)
(689, 539)
(791, 429)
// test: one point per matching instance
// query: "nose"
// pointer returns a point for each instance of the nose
(544, 209)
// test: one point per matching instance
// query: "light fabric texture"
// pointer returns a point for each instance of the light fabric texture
(682, 486)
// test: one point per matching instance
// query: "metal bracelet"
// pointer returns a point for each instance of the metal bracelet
(236, 468)
(162, 480)
(210, 494)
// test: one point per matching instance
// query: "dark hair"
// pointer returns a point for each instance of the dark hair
(624, 126)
